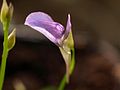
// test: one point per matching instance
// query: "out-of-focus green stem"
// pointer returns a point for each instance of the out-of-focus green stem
(62, 83)
(72, 65)
(4, 55)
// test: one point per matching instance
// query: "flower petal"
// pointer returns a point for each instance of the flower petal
(68, 28)
(45, 25)
(39, 16)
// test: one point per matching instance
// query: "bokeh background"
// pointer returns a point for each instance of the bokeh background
(35, 62)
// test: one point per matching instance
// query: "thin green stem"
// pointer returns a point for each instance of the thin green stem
(4, 56)
(63, 82)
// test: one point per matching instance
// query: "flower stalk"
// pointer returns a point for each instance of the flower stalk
(5, 18)
(4, 55)
(72, 66)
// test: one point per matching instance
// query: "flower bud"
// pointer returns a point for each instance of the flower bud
(6, 12)
(12, 39)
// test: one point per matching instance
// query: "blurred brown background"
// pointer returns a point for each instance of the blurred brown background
(35, 62)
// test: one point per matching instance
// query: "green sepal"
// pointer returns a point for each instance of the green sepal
(69, 42)
(67, 58)
(66, 49)
(12, 39)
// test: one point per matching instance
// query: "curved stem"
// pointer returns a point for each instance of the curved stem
(4, 56)
(63, 82)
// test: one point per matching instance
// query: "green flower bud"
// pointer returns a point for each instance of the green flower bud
(6, 12)
(11, 39)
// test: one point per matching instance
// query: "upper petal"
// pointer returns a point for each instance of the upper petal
(38, 16)
(68, 27)
(45, 25)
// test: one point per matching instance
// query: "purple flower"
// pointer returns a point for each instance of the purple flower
(56, 33)
(44, 24)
